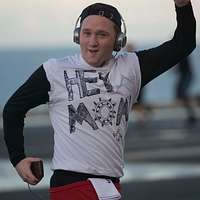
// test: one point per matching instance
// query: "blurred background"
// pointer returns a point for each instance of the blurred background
(162, 151)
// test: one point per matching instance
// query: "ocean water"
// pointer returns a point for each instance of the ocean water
(16, 65)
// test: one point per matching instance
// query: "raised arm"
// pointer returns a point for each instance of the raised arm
(155, 61)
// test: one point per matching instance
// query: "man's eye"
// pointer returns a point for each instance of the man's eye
(86, 33)
(102, 34)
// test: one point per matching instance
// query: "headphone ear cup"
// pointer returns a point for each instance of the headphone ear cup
(76, 37)
(120, 42)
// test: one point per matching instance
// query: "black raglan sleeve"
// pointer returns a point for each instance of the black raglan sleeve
(155, 61)
(32, 93)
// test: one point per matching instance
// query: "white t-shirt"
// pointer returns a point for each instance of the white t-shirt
(89, 110)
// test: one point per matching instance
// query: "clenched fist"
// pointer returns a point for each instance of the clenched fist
(181, 3)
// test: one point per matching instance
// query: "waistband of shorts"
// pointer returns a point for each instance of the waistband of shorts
(63, 177)
(76, 185)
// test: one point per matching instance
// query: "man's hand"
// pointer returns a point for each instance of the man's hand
(23, 168)
(181, 3)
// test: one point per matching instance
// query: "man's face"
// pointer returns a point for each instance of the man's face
(97, 38)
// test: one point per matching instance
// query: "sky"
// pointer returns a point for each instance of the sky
(43, 23)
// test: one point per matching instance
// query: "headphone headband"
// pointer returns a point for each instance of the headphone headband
(102, 9)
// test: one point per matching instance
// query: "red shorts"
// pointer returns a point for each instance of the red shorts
(82, 190)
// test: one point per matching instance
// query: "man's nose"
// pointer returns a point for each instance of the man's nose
(93, 41)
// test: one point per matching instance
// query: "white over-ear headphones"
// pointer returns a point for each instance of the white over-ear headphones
(120, 40)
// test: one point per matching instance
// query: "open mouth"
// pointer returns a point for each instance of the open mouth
(93, 52)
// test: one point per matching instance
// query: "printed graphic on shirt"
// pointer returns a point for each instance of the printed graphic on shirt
(104, 111)
(118, 135)
(81, 81)
(101, 112)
